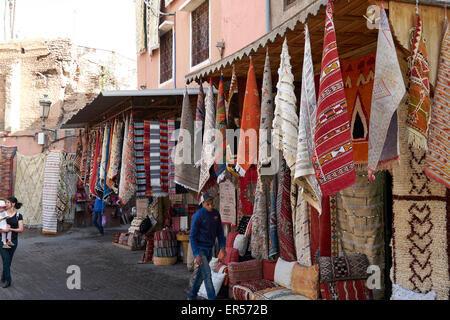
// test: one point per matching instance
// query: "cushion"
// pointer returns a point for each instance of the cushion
(350, 267)
(400, 293)
(217, 279)
(283, 273)
(268, 269)
(305, 281)
(231, 256)
(277, 293)
(245, 290)
(230, 239)
(213, 263)
(345, 290)
(241, 243)
(244, 271)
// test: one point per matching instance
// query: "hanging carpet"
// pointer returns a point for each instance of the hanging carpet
(421, 220)
(115, 157)
(233, 118)
(28, 186)
(265, 124)
(437, 166)
(333, 154)
(6, 171)
(304, 170)
(419, 89)
(285, 120)
(251, 115)
(67, 188)
(248, 189)
(208, 150)
(172, 144)
(221, 141)
(186, 174)
(388, 91)
(155, 160)
(127, 181)
(284, 217)
(198, 126)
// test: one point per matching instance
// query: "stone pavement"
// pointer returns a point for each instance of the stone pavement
(107, 272)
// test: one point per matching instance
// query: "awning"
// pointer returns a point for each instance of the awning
(151, 104)
(353, 38)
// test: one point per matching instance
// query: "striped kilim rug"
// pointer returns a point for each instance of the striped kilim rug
(164, 142)
(333, 150)
(6, 171)
(49, 192)
(421, 220)
(28, 186)
(139, 154)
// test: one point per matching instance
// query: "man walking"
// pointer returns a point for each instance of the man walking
(99, 208)
(206, 227)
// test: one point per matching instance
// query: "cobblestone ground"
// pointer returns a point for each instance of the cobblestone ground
(107, 272)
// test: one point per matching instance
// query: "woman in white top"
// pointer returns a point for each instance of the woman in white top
(14, 222)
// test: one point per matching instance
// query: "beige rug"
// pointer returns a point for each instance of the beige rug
(28, 187)
(421, 213)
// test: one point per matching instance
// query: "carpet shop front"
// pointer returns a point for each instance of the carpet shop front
(123, 158)
(349, 188)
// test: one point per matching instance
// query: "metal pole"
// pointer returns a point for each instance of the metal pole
(268, 16)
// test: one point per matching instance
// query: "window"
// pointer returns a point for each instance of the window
(288, 4)
(200, 34)
(166, 57)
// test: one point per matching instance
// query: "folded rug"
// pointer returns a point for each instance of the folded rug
(155, 159)
(49, 192)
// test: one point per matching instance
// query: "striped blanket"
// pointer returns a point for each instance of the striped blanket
(164, 143)
(155, 160)
(172, 141)
(49, 192)
(140, 163)
(148, 185)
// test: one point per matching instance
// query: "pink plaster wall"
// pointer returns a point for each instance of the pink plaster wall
(235, 22)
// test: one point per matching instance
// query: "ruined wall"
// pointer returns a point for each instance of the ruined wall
(70, 75)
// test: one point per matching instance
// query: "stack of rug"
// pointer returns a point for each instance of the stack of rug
(49, 192)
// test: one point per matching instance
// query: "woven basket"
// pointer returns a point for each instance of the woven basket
(164, 261)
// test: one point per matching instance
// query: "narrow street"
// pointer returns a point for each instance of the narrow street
(107, 272)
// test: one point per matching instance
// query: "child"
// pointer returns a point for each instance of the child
(5, 235)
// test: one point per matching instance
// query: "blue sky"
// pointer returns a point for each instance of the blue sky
(103, 24)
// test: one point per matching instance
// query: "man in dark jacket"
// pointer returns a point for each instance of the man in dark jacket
(206, 227)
